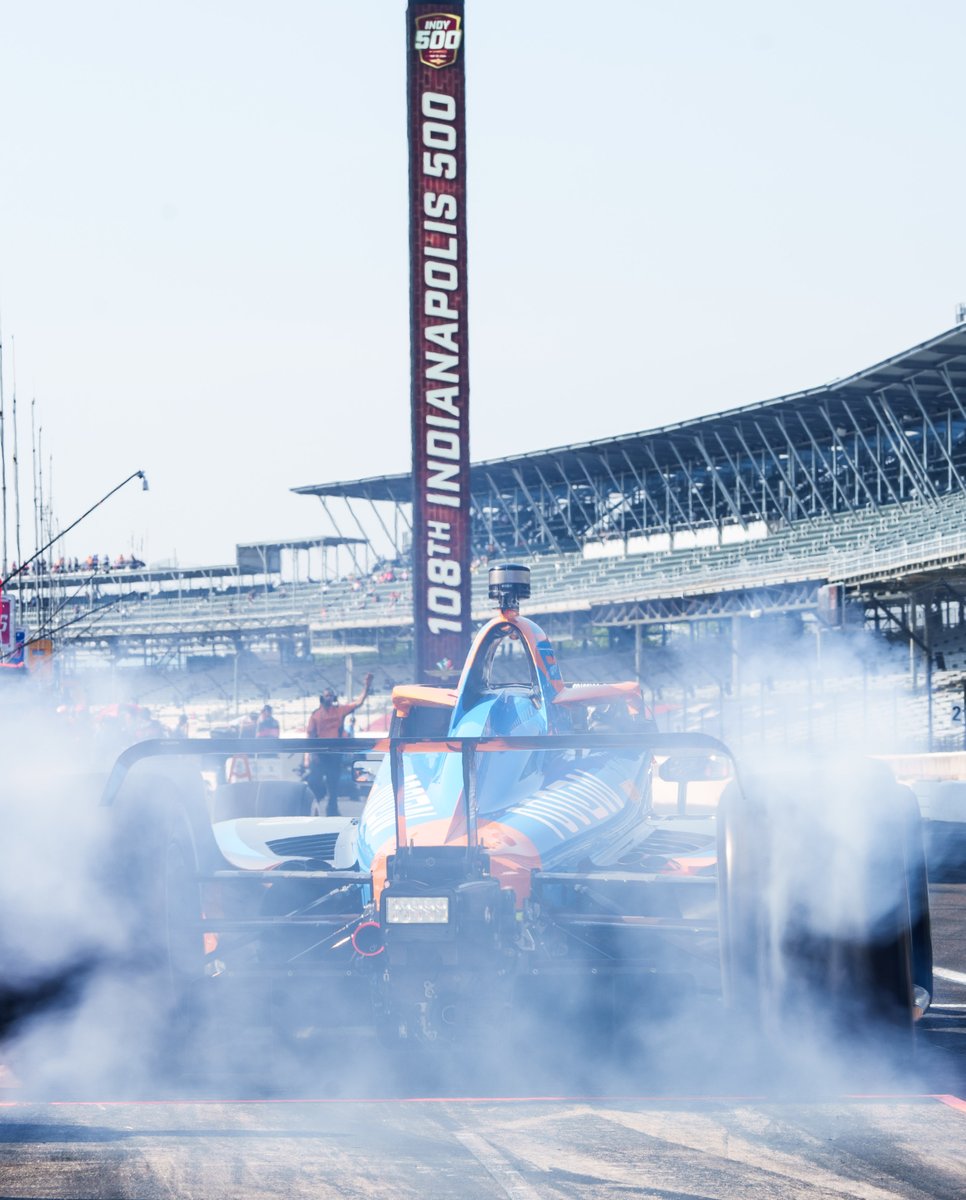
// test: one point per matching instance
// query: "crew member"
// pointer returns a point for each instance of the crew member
(267, 725)
(328, 721)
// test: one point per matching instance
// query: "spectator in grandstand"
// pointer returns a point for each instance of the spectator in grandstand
(267, 725)
(248, 725)
(322, 771)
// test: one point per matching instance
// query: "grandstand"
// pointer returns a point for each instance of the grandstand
(684, 551)
(890, 435)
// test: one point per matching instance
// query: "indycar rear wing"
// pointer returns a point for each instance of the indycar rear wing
(689, 750)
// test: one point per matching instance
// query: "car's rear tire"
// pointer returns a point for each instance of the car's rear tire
(822, 900)
(160, 849)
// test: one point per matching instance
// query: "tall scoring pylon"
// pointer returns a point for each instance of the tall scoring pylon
(439, 343)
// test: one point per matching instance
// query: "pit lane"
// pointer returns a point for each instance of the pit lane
(908, 1147)
(690, 1127)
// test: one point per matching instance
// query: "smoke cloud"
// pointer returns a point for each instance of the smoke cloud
(87, 1009)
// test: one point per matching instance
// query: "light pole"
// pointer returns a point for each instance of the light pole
(21, 567)
(43, 549)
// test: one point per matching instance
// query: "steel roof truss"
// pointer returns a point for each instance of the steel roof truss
(339, 533)
(920, 466)
(537, 510)
(561, 508)
(944, 372)
(645, 495)
(853, 466)
(793, 495)
(836, 486)
(739, 482)
(603, 503)
(574, 494)
(881, 475)
(928, 425)
(625, 507)
(898, 450)
(600, 504)
(808, 469)
(689, 475)
(668, 490)
(511, 516)
(365, 536)
(762, 476)
(718, 483)
(900, 445)
(486, 516)
(378, 516)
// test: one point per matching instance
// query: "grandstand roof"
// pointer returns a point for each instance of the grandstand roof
(302, 543)
(913, 380)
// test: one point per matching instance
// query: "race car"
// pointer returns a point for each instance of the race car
(527, 844)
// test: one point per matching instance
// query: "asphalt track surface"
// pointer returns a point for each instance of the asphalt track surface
(481, 1150)
(681, 1133)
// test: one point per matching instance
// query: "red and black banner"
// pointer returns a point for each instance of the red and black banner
(438, 330)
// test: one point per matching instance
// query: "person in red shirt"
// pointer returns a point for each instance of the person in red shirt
(267, 725)
(328, 721)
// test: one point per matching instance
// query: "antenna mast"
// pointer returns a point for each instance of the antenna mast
(33, 471)
(16, 486)
(3, 462)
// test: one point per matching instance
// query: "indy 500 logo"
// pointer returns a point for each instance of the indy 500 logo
(438, 37)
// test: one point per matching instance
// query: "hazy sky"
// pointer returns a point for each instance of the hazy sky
(673, 208)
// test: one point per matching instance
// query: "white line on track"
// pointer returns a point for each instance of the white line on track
(950, 976)
(510, 1180)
